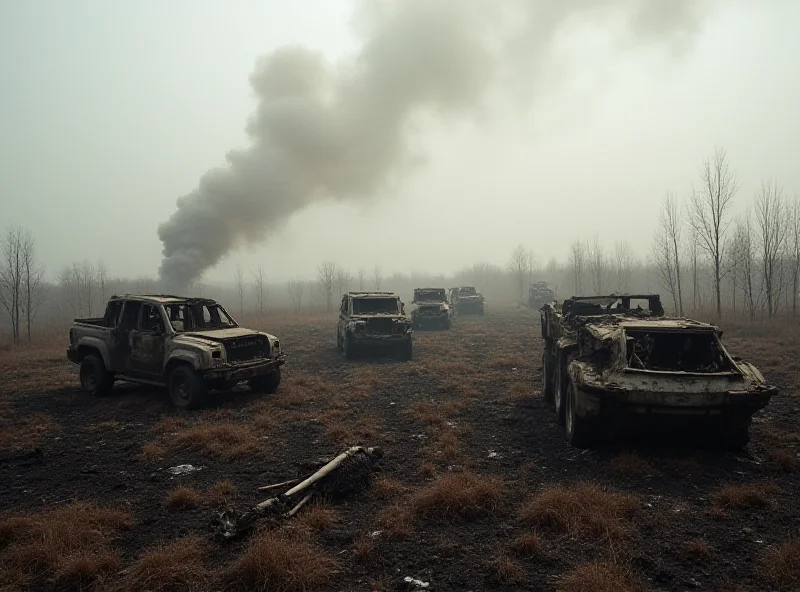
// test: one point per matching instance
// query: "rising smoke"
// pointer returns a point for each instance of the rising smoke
(341, 131)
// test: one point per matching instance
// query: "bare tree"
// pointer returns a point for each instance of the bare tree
(342, 281)
(670, 223)
(693, 249)
(577, 263)
(326, 272)
(102, 279)
(624, 260)
(597, 264)
(11, 277)
(260, 288)
(709, 213)
(33, 286)
(377, 276)
(296, 289)
(773, 227)
(361, 277)
(745, 256)
(519, 265)
(238, 278)
(794, 251)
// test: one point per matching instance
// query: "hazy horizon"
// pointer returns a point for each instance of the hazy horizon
(113, 112)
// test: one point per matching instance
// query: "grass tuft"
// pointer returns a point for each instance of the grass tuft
(184, 498)
(744, 496)
(458, 496)
(782, 565)
(178, 565)
(600, 576)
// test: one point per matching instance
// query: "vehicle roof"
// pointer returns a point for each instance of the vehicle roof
(607, 325)
(372, 294)
(164, 299)
(430, 289)
(617, 297)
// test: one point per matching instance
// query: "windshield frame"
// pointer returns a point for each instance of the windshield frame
(194, 306)
(397, 310)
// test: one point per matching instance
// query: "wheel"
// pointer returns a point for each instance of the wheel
(339, 344)
(559, 398)
(95, 379)
(266, 384)
(736, 441)
(579, 431)
(407, 351)
(186, 389)
(547, 378)
(349, 347)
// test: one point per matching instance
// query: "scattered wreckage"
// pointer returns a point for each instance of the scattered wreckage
(189, 345)
(431, 308)
(606, 366)
(466, 300)
(539, 295)
(349, 472)
(371, 321)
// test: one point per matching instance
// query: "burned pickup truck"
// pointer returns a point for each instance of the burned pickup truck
(373, 321)
(431, 308)
(466, 300)
(609, 366)
(189, 345)
(539, 295)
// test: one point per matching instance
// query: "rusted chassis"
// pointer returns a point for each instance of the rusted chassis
(593, 411)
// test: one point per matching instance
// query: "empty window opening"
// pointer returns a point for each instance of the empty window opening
(676, 352)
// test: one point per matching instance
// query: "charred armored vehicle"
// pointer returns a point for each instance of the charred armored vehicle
(539, 295)
(431, 308)
(189, 345)
(371, 321)
(466, 300)
(610, 364)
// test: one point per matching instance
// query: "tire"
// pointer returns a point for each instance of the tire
(95, 379)
(559, 398)
(266, 384)
(547, 378)
(580, 432)
(407, 351)
(736, 441)
(186, 390)
(339, 344)
(349, 347)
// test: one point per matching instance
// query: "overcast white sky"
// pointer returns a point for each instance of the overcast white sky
(111, 111)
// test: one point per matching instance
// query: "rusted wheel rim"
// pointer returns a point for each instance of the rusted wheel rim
(180, 388)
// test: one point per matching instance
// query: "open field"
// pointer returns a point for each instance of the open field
(478, 489)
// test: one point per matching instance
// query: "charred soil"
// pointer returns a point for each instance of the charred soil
(477, 490)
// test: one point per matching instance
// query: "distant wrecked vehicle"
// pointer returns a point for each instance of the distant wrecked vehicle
(466, 300)
(607, 365)
(431, 308)
(189, 345)
(373, 321)
(539, 295)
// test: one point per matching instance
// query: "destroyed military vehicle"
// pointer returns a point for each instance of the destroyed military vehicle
(373, 321)
(539, 295)
(466, 300)
(431, 308)
(189, 345)
(609, 366)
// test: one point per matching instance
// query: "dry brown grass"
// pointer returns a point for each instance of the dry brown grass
(216, 439)
(426, 413)
(782, 565)
(506, 571)
(699, 549)
(519, 392)
(318, 516)
(279, 562)
(385, 487)
(459, 496)
(464, 387)
(427, 470)
(600, 576)
(448, 447)
(105, 426)
(22, 431)
(152, 452)
(744, 496)
(302, 389)
(178, 565)
(507, 362)
(581, 509)
(528, 543)
(363, 548)
(41, 366)
(396, 521)
(784, 459)
(362, 382)
(630, 464)
(184, 498)
(68, 545)
(220, 493)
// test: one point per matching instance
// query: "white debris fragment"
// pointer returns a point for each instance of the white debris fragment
(375, 534)
(415, 582)
(183, 469)
(493, 454)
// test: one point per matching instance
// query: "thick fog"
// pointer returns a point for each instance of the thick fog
(191, 138)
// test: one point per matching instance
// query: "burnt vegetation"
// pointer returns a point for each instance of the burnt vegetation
(477, 488)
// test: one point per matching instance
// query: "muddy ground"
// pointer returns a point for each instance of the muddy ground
(468, 402)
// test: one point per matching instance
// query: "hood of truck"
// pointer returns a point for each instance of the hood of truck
(366, 317)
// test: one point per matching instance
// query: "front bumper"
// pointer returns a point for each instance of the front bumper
(430, 319)
(379, 341)
(245, 371)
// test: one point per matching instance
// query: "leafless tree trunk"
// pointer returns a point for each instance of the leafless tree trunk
(671, 222)
(623, 258)
(664, 261)
(326, 272)
(743, 241)
(577, 263)
(377, 276)
(238, 279)
(709, 213)
(597, 264)
(693, 255)
(260, 289)
(296, 289)
(102, 279)
(342, 281)
(772, 220)
(32, 281)
(519, 266)
(361, 279)
(11, 277)
(794, 252)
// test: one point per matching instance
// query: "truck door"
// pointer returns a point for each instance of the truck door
(147, 342)
(120, 335)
